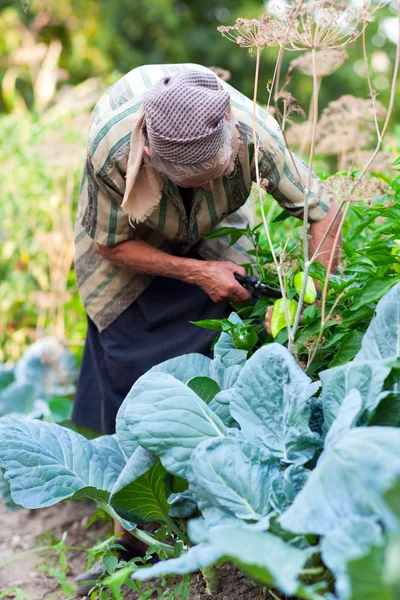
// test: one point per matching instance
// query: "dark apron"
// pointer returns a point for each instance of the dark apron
(153, 329)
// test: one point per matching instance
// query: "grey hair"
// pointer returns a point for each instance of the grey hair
(213, 165)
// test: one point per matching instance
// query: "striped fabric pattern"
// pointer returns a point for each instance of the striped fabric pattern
(106, 290)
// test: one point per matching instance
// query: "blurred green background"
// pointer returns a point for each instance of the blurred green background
(55, 62)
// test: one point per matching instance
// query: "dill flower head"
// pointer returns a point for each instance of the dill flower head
(347, 124)
(345, 188)
(255, 33)
(323, 23)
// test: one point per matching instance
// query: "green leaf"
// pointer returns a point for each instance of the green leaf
(366, 576)
(373, 291)
(204, 387)
(6, 376)
(349, 480)
(182, 505)
(286, 485)
(262, 556)
(260, 308)
(184, 367)
(367, 378)
(318, 271)
(60, 409)
(270, 401)
(283, 215)
(349, 347)
(234, 232)
(244, 340)
(169, 419)
(350, 541)
(46, 463)
(387, 413)
(347, 417)
(5, 493)
(139, 494)
(382, 339)
(234, 475)
(126, 441)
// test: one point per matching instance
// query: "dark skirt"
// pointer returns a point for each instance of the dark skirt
(153, 329)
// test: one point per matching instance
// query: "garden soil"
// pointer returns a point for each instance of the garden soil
(22, 530)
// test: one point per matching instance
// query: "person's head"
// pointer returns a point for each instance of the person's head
(191, 137)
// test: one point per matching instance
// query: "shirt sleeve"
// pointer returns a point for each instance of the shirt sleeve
(284, 175)
(100, 210)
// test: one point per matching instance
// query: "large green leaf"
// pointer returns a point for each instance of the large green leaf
(368, 378)
(196, 558)
(169, 419)
(139, 493)
(228, 360)
(382, 339)
(348, 481)
(366, 574)
(233, 475)
(220, 405)
(286, 485)
(184, 367)
(348, 348)
(374, 290)
(351, 540)
(348, 415)
(262, 556)
(46, 463)
(270, 401)
(126, 441)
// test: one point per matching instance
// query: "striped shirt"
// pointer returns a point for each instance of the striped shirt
(107, 290)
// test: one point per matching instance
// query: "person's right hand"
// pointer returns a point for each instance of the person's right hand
(217, 279)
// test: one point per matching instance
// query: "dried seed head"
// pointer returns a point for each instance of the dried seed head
(381, 164)
(343, 188)
(347, 124)
(255, 33)
(323, 23)
(327, 61)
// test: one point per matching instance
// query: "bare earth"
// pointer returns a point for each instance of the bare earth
(20, 531)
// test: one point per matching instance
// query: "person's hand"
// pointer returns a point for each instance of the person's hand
(267, 320)
(217, 279)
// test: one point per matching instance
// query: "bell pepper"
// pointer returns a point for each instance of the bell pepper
(310, 295)
(278, 317)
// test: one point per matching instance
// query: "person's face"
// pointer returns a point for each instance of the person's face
(206, 181)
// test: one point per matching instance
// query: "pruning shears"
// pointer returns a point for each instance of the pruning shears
(256, 288)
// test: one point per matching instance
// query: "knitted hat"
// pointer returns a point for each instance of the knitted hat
(185, 116)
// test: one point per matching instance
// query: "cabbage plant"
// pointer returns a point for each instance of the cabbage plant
(291, 480)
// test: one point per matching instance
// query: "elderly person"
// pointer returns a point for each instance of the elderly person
(170, 158)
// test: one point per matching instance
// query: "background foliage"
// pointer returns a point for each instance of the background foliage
(55, 62)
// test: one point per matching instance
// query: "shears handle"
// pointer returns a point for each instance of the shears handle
(256, 288)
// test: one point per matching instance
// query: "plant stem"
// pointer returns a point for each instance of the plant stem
(210, 575)
(316, 89)
(255, 114)
(40, 549)
(141, 535)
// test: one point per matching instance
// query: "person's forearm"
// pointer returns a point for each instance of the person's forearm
(143, 258)
(216, 278)
(317, 231)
